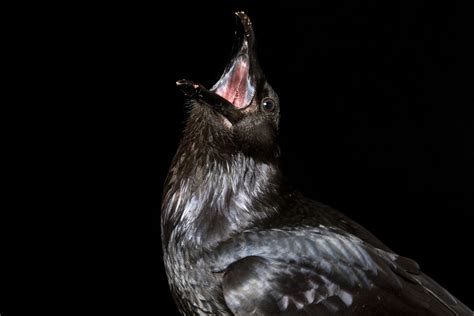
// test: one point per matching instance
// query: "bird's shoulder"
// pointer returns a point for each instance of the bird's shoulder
(317, 270)
(291, 270)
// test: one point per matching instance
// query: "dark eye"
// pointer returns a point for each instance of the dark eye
(268, 105)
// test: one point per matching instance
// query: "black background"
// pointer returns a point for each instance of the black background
(375, 114)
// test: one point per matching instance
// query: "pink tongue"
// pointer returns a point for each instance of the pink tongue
(234, 88)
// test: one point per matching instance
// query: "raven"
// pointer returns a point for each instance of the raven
(236, 241)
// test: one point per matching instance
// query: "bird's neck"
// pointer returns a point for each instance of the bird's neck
(209, 195)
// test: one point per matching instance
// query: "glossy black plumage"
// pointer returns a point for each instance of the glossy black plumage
(236, 241)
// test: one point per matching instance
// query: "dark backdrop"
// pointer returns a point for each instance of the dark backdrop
(375, 118)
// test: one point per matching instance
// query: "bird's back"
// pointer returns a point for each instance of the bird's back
(300, 211)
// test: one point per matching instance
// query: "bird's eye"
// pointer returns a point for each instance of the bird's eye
(268, 105)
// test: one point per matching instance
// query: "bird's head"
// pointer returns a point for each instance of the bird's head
(241, 105)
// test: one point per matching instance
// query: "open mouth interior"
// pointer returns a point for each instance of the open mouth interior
(235, 85)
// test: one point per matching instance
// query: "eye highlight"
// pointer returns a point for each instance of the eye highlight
(268, 105)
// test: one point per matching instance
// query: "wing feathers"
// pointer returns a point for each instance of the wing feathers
(321, 272)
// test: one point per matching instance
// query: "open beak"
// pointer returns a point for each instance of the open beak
(236, 88)
(237, 84)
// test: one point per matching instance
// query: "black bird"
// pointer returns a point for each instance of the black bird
(236, 242)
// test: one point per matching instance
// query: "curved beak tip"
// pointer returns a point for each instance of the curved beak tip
(246, 23)
(183, 82)
(188, 88)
